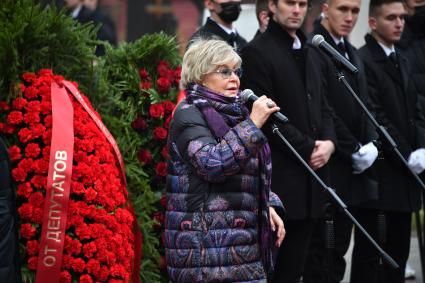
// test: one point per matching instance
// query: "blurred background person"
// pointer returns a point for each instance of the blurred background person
(221, 213)
(83, 14)
(397, 108)
(355, 152)
(263, 15)
(279, 64)
(9, 252)
(413, 42)
(220, 22)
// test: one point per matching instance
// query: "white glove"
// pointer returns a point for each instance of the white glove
(416, 160)
(364, 157)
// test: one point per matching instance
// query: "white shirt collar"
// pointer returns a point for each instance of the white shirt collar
(226, 29)
(387, 50)
(297, 43)
(337, 40)
(76, 11)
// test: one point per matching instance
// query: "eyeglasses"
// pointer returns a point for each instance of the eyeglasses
(227, 72)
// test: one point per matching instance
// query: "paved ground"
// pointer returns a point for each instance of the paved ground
(414, 261)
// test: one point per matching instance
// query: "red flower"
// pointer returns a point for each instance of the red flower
(144, 156)
(29, 77)
(15, 117)
(89, 249)
(93, 267)
(39, 181)
(32, 247)
(32, 150)
(14, 153)
(160, 133)
(167, 122)
(145, 85)
(24, 135)
(78, 265)
(85, 279)
(159, 217)
(31, 92)
(161, 169)
(163, 68)
(8, 129)
(27, 231)
(168, 106)
(32, 118)
(32, 263)
(156, 110)
(36, 199)
(162, 263)
(4, 106)
(26, 211)
(33, 106)
(139, 124)
(18, 174)
(177, 75)
(143, 73)
(163, 85)
(24, 190)
(90, 195)
(164, 152)
(19, 103)
(163, 200)
(65, 277)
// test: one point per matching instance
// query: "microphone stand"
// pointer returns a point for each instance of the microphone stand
(393, 144)
(336, 198)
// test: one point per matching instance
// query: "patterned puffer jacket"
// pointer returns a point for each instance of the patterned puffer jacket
(213, 201)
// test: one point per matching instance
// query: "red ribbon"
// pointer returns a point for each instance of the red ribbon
(138, 236)
(72, 89)
(58, 187)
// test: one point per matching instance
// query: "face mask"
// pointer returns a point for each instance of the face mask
(230, 11)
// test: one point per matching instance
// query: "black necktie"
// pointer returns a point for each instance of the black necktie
(233, 38)
(393, 59)
(341, 48)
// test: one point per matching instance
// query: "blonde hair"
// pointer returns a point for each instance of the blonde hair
(203, 56)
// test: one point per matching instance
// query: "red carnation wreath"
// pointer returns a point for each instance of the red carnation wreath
(99, 239)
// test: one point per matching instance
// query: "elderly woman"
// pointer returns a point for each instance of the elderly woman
(220, 217)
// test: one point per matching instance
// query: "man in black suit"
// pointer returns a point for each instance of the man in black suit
(84, 15)
(413, 42)
(278, 64)
(263, 15)
(9, 254)
(355, 151)
(395, 102)
(220, 23)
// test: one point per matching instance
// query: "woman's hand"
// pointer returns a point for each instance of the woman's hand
(277, 226)
(262, 108)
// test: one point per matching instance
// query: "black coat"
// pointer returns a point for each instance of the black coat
(294, 80)
(9, 255)
(106, 30)
(413, 43)
(352, 126)
(397, 108)
(211, 29)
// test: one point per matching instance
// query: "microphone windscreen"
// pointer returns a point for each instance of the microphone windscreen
(247, 94)
(317, 39)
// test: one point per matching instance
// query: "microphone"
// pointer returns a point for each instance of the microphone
(319, 41)
(248, 95)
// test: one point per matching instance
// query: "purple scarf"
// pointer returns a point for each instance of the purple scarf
(221, 113)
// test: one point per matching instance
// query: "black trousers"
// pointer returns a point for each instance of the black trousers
(365, 261)
(328, 265)
(293, 251)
